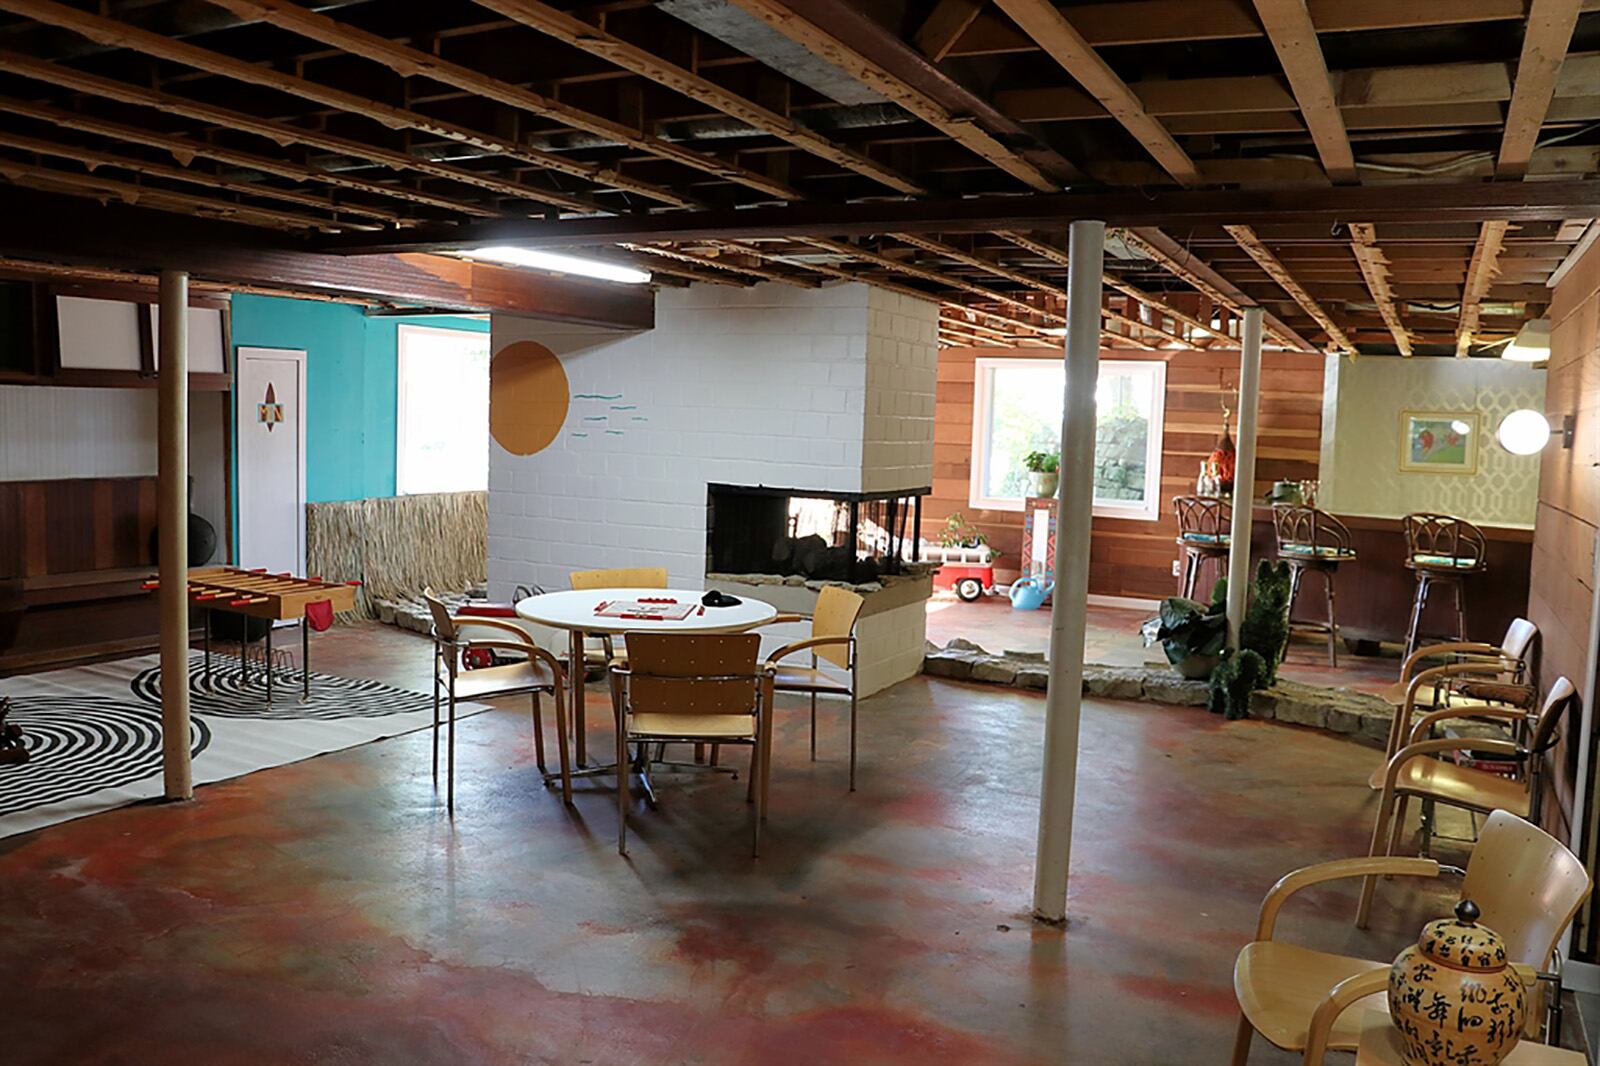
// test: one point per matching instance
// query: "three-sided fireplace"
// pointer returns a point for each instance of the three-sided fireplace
(856, 537)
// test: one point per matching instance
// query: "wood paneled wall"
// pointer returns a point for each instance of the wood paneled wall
(1561, 583)
(1130, 557)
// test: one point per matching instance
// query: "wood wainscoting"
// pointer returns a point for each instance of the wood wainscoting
(72, 555)
(1130, 557)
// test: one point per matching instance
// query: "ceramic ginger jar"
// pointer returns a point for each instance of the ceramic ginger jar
(1454, 996)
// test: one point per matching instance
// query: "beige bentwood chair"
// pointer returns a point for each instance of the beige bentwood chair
(536, 673)
(691, 688)
(598, 652)
(1527, 885)
(1417, 770)
(832, 640)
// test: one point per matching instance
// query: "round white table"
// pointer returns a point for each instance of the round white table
(575, 611)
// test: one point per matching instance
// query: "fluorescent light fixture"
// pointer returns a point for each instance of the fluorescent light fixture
(559, 264)
(1524, 432)
(1531, 344)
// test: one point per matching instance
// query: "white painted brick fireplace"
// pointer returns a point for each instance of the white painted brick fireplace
(815, 389)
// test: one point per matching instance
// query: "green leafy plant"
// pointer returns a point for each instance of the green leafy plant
(1188, 629)
(1265, 627)
(1235, 677)
(1041, 462)
(957, 532)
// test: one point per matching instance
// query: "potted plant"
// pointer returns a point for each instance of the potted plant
(1044, 472)
(1191, 633)
(959, 533)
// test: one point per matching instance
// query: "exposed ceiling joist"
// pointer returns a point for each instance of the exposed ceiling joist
(113, 33)
(1279, 273)
(1546, 37)
(944, 26)
(574, 31)
(1481, 271)
(960, 127)
(716, 263)
(1041, 20)
(1375, 269)
(1294, 38)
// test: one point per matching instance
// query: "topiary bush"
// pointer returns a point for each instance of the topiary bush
(1265, 627)
(1238, 675)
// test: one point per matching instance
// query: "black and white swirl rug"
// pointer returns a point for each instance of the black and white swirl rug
(79, 744)
(94, 732)
(230, 693)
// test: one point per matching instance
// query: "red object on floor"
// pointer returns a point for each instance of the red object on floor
(319, 615)
(486, 610)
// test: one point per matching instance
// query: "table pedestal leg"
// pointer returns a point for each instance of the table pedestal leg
(268, 657)
(244, 646)
(305, 660)
(578, 686)
(205, 677)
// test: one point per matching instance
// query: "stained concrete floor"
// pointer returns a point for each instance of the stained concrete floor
(1113, 639)
(330, 912)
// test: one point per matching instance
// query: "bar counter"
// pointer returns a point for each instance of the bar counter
(1375, 590)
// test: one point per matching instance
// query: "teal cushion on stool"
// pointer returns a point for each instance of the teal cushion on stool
(1310, 551)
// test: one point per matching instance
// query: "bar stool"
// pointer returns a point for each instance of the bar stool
(1203, 534)
(1441, 549)
(1309, 539)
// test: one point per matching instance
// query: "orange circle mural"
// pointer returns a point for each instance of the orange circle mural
(527, 397)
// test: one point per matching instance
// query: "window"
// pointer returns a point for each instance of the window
(1017, 410)
(442, 431)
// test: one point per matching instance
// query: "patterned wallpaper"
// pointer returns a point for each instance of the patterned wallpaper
(1361, 433)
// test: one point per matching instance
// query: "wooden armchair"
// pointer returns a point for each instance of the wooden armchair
(696, 689)
(599, 651)
(1526, 883)
(536, 673)
(1416, 771)
(832, 640)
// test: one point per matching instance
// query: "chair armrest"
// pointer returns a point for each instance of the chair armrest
(779, 619)
(462, 621)
(803, 645)
(523, 647)
(1419, 732)
(1337, 1001)
(1434, 747)
(1449, 670)
(1337, 869)
(1470, 647)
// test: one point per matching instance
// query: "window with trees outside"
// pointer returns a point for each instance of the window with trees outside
(1017, 410)
(442, 421)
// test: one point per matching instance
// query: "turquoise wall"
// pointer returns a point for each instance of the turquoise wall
(351, 385)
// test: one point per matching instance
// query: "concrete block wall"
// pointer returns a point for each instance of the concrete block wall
(902, 362)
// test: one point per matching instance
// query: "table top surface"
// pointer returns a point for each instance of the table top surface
(1380, 1046)
(575, 610)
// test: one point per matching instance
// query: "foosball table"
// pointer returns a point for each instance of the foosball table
(274, 597)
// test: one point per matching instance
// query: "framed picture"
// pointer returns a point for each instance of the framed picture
(1439, 442)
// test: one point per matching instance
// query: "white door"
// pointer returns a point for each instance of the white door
(271, 388)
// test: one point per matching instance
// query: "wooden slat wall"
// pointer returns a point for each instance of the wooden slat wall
(1129, 557)
(75, 526)
(1569, 508)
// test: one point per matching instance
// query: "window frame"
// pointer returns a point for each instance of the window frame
(403, 331)
(1148, 510)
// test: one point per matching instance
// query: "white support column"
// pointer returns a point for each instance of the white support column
(1068, 618)
(172, 516)
(1244, 473)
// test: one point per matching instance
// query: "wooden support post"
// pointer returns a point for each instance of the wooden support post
(1068, 615)
(1244, 473)
(172, 511)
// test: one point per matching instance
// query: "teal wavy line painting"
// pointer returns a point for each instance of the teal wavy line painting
(580, 434)
(624, 407)
(614, 433)
(594, 418)
(640, 418)
(595, 396)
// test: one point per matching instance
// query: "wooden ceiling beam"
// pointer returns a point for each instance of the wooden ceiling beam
(1481, 272)
(115, 34)
(279, 132)
(1041, 20)
(577, 33)
(1040, 170)
(944, 26)
(411, 62)
(92, 159)
(1546, 37)
(1294, 38)
(1375, 269)
(1280, 274)
(717, 264)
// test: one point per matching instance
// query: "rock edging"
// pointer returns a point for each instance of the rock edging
(1338, 710)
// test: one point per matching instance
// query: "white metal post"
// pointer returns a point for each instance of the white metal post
(1068, 619)
(172, 511)
(1244, 473)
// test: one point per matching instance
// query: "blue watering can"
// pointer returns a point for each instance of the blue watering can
(1028, 593)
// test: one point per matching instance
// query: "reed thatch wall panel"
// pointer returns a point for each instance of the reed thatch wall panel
(398, 545)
